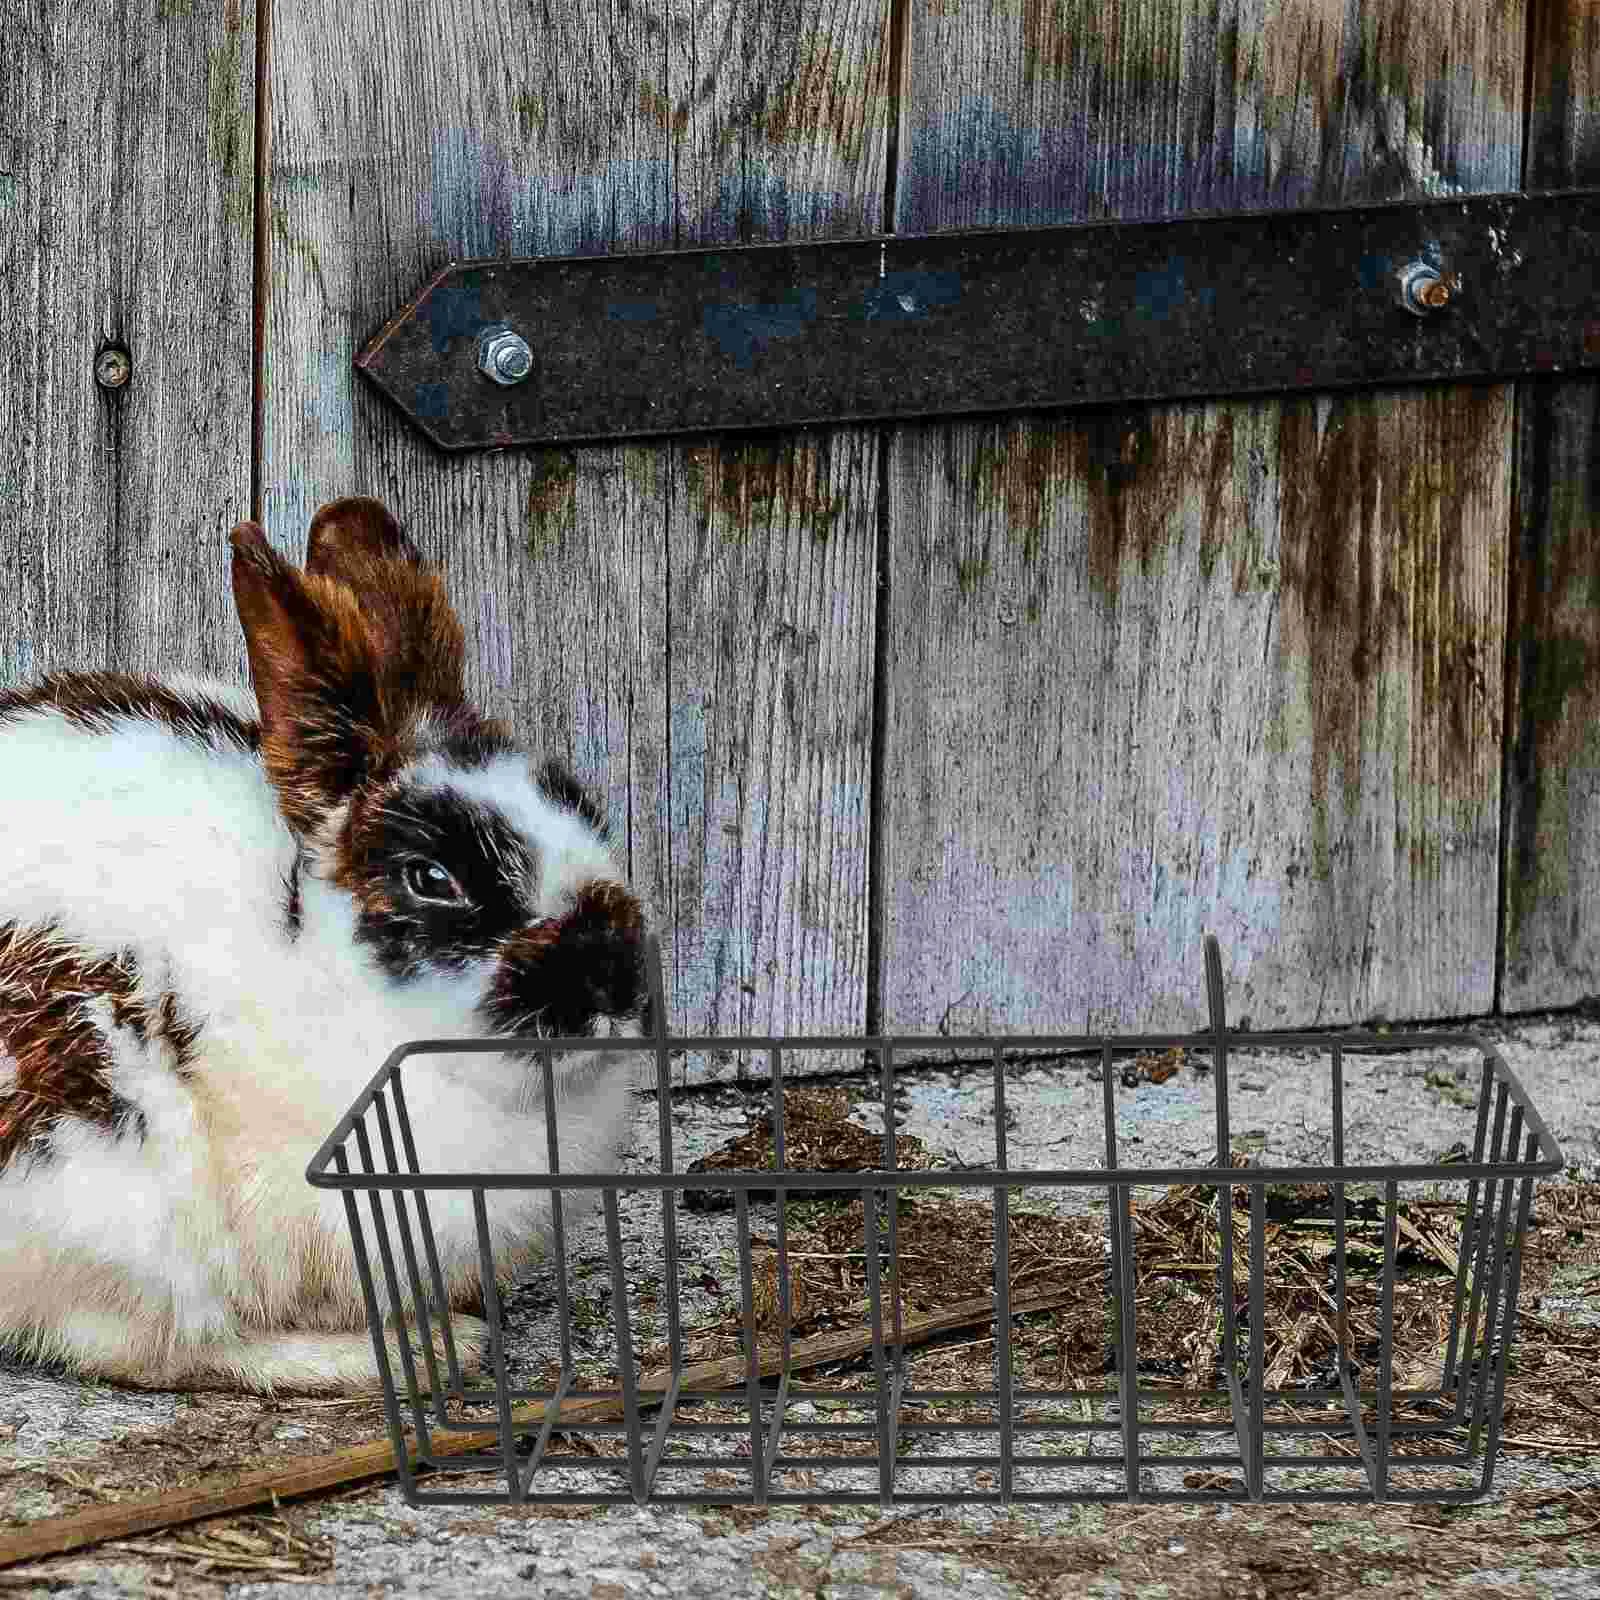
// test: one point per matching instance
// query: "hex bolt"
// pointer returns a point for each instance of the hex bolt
(503, 354)
(1424, 289)
(113, 367)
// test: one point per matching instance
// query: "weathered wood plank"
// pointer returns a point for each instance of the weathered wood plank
(645, 610)
(126, 217)
(1065, 110)
(1563, 95)
(1203, 652)
(1234, 667)
(773, 584)
(1551, 949)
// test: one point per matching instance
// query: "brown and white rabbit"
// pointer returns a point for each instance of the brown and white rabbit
(219, 915)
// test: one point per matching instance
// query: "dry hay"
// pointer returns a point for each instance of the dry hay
(942, 1254)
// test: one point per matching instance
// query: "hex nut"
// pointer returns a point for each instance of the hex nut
(113, 367)
(503, 354)
(1424, 289)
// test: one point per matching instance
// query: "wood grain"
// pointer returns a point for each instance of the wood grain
(645, 611)
(1232, 667)
(1551, 949)
(773, 589)
(125, 217)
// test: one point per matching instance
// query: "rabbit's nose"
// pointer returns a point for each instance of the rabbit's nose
(571, 973)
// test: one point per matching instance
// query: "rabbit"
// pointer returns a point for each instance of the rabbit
(218, 915)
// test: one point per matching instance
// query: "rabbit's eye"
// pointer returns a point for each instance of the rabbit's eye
(427, 880)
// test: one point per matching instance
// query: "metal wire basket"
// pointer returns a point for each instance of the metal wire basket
(665, 1436)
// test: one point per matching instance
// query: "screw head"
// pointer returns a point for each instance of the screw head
(113, 367)
(503, 354)
(1424, 289)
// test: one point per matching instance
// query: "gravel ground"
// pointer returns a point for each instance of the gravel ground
(64, 1444)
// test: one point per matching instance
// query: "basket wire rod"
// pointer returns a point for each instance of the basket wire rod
(1129, 1381)
(630, 1383)
(897, 1380)
(890, 1164)
(552, 1410)
(669, 1214)
(380, 1230)
(886, 1442)
(658, 1440)
(1341, 1311)
(1219, 1051)
(1352, 1402)
(1391, 1237)
(1255, 1470)
(1497, 1405)
(780, 1156)
(1217, 1016)
(1450, 1379)
(497, 1345)
(775, 1427)
(1119, 1268)
(1204, 1175)
(752, 1354)
(380, 1346)
(1484, 1230)
(1536, 1123)
(1114, 1280)
(429, 1247)
(1355, 1041)
(408, 1249)
(1496, 1341)
(897, 1386)
(1002, 1286)
(558, 1227)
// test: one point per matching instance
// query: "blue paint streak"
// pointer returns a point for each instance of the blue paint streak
(432, 400)
(744, 331)
(1373, 271)
(452, 311)
(1159, 293)
(632, 311)
(907, 296)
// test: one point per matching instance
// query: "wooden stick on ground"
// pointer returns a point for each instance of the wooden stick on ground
(229, 1492)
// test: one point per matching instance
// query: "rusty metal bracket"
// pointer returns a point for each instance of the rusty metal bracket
(570, 349)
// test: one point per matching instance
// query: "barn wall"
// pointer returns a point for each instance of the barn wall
(954, 725)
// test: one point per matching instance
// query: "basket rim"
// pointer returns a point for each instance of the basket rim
(1548, 1162)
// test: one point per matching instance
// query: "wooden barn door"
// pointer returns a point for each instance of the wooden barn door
(1550, 953)
(1242, 666)
(947, 725)
(1234, 666)
(127, 139)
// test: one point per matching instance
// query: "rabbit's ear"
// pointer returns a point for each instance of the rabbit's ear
(408, 615)
(342, 675)
(350, 536)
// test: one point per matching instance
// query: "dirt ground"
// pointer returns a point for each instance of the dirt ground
(67, 1447)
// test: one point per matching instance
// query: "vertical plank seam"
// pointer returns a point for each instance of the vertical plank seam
(120, 648)
(1511, 656)
(1510, 699)
(1530, 69)
(258, 333)
(669, 910)
(877, 828)
(899, 55)
(672, 459)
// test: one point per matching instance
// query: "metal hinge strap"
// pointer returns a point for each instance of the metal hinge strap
(569, 349)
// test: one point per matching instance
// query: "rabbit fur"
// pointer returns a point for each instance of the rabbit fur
(220, 912)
